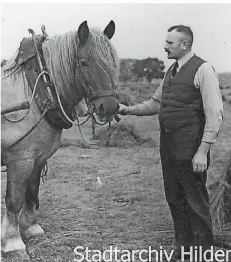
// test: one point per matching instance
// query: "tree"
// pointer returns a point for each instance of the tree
(126, 66)
(149, 68)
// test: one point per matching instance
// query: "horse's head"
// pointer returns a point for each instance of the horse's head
(98, 68)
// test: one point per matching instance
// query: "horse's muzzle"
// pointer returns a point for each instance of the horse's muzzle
(106, 108)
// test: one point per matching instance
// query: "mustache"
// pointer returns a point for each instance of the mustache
(167, 51)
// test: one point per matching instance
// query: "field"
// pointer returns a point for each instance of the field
(111, 195)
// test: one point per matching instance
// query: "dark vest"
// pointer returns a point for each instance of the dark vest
(181, 102)
(181, 112)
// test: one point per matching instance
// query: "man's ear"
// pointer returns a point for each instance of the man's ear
(184, 44)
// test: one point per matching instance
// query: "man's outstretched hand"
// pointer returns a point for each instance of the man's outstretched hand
(123, 110)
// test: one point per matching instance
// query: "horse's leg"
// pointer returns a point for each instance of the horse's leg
(28, 224)
(17, 177)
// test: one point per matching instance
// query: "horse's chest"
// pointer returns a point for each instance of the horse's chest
(46, 144)
(39, 145)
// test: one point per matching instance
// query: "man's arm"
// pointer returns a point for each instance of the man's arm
(146, 108)
(212, 102)
(207, 80)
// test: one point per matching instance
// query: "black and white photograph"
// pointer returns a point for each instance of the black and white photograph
(115, 131)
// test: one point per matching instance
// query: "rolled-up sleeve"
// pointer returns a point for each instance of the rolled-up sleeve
(149, 107)
(207, 80)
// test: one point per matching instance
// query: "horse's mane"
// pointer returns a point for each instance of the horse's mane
(9, 65)
(103, 51)
(60, 54)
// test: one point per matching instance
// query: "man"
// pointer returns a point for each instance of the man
(190, 109)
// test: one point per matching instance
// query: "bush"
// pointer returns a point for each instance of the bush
(149, 68)
(134, 69)
(125, 70)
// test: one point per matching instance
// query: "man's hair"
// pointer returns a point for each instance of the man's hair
(183, 29)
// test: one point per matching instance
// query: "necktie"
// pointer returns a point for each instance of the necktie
(174, 69)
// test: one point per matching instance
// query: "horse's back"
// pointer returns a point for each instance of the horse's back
(13, 91)
(44, 139)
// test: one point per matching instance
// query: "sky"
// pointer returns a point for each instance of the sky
(141, 28)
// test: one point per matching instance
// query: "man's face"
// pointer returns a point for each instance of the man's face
(175, 45)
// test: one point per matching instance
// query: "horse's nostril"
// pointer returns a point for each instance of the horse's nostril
(101, 109)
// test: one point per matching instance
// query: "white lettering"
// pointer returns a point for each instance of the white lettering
(134, 252)
(188, 253)
(150, 252)
(87, 251)
(195, 254)
(116, 253)
(219, 253)
(96, 256)
(107, 255)
(206, 253)
(168, 257)
(228, 255)
(125, 257)
(140, 255)
(78, 253)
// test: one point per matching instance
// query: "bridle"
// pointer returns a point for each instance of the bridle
(89, 95)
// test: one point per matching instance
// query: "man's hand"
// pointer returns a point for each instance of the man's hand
(123, 110)
(199, 162)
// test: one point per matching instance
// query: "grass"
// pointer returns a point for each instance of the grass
(127, 208)
(125, 134)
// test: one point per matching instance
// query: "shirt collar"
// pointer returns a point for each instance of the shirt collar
(185, 59)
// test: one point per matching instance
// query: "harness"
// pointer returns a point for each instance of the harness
(57, 112)
(31, 59)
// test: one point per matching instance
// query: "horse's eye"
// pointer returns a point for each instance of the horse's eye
(84, 63)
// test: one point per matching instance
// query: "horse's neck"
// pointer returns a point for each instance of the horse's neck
(69, 88)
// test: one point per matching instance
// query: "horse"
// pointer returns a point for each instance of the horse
(80, 64)
(82, 108)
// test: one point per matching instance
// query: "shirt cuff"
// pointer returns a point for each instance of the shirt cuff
(209, 137)
(134, 110)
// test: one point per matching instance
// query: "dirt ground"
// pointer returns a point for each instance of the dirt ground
(108, 196)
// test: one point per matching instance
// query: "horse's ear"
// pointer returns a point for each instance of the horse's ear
(110, 29)
(83, 33)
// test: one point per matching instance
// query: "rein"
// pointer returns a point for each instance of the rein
(88, 93)
(32, 98)
(17, 120)
(89, 97)
(28, 132)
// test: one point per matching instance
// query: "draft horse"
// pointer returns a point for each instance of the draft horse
(77, 65)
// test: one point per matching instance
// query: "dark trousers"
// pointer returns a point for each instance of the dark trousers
(186, 192)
